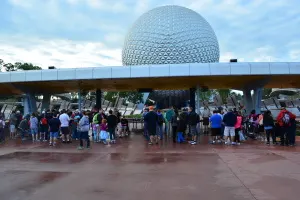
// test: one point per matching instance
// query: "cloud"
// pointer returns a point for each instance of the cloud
(70, 33)
(59, 53)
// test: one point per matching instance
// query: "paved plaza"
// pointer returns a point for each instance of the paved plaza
(133, 170)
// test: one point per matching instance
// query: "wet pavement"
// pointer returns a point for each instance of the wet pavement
(133, 170)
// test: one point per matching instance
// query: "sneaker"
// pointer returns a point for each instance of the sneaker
(193, 143)
(238, 143)
(233, 143)
(213, 142)
(226, 143)
(80, 148)
(150, 143)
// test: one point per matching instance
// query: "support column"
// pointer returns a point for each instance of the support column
(79, 101)
(198, 100)
(29, 104)
(98, 99)
(247, 100)
(192, 97)
(257, 100)
(46, 101)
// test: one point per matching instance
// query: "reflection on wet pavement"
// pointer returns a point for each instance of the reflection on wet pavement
(46, 157)
(132, 170)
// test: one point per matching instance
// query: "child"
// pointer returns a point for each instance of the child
(34, 127)
(95, 132)
(124, 126)
(103, 131)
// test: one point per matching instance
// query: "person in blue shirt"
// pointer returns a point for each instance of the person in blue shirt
(216, 126)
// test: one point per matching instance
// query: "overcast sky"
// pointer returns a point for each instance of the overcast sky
(89, 33)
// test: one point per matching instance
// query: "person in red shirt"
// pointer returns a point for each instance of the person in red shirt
(284, 119)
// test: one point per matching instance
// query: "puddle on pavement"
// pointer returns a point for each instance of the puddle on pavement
(267, 157)
(46, 157)
(157, 159)
(28, 182)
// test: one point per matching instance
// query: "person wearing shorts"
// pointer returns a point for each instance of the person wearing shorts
(54, 125)
(193, 120)
(216, 126)
(34, 128)
(229, 132)
(64, 121)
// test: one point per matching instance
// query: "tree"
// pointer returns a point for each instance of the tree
(131, 96)
(206, 96)
(266, 93)
(224, 93)
(18, 66)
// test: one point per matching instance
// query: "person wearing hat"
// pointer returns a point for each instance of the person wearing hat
(151, 118)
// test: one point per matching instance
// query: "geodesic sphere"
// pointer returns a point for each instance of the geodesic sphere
(170, 35)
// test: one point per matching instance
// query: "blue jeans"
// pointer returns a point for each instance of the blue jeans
(180, 137)
(146, 132)
(159, 131)
(75, 134)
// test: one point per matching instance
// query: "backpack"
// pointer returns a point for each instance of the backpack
(44, 121)
(95, 119)
(160, 119)
(286, 119)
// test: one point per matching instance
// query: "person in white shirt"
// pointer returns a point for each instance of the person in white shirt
(64, 127)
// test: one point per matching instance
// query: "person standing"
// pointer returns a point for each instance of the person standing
(54, 125)
(205, 117)
(12, 124)
(19, 118)
(34, 127)
(268, 123)
(112, 122)
(84, 127)
(193, 120)
(151, 118)
(64, 127)
(174, 123)
(229, 122)
(146, 110)
(24, 127)
(216, 126)
(2, 126)
(160, 124)
(238, 128)
(284, 120)
(43, 126)
(169, 115)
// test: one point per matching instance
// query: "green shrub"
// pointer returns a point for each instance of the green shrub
(136, 116)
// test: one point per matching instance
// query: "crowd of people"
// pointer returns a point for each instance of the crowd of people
(231, 127)
(67, 126)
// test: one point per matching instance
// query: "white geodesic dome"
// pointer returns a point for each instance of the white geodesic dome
(170, 35)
